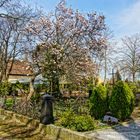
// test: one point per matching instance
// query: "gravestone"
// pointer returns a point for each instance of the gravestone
(110, 119)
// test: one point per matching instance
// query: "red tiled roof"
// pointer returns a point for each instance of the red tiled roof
(20, 68)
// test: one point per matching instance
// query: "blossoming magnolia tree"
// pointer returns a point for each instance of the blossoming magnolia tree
(66, 43)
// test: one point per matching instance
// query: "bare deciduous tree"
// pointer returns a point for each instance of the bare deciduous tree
(130, 60)
(12, 36)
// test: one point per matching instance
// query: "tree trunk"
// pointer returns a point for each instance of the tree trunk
(133, 76)
(31, 88)
(55, 89)
(105, 68)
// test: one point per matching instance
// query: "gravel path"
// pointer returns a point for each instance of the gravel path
(127, 131)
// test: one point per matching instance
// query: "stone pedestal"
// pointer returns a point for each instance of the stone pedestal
(47, 109)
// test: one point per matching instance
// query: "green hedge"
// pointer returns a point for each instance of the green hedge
(7, 88)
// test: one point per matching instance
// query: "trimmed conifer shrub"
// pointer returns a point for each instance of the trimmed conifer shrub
(121, 101)
(98, 102)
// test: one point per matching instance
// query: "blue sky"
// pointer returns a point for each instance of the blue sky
(122, 16)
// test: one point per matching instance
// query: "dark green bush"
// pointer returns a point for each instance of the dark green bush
(15, 87)
(98, 102)
(109, 92)
(84, 123)
(133, 86)
(36, 97)
(5, 88)
(9, 103)
(76, 122)
(121, 101)
(40, 88)
(67, 119)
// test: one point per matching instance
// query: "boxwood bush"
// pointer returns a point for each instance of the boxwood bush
(98, 102)
(84, 123)
(9, 103)
(76, 122)
(121, 101)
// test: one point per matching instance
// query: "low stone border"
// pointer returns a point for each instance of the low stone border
(52, 131)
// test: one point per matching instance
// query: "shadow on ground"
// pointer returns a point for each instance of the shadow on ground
(125, 131)
(129, 131)
(10, 129)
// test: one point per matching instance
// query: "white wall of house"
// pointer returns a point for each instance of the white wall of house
(21, 79)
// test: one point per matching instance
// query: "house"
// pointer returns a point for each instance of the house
(21, 72)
